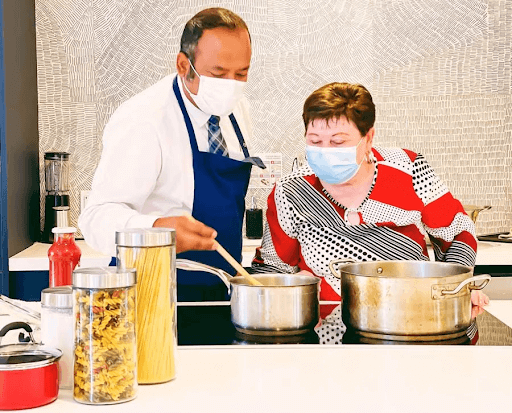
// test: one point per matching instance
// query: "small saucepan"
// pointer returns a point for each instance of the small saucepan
(286, 304)
(29, 372)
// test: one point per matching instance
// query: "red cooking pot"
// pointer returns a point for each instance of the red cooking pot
(29, 372)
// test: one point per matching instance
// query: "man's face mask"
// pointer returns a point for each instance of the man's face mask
(217, 96)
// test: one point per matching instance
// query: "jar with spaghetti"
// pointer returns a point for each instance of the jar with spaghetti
(152, 252)
(105, 349)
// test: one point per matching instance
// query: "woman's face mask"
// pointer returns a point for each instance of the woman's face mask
(217, 96)
(331, 149)
(333, 165)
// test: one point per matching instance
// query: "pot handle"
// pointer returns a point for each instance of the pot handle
(484, 277)
(189, 265)
(15, 326)
(339, 261)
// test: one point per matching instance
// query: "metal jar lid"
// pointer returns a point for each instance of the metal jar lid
(104, 277)
(57, 297)
(146, 237)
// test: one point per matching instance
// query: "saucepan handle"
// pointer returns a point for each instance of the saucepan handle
(339, 261)
(189, 265)
(485, 278)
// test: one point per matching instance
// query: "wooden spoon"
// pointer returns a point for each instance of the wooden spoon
(234, 263)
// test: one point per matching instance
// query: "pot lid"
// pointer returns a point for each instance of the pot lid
(27, 356)
(24, 356)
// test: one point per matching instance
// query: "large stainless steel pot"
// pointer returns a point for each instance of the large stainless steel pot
(407, 300)
(286, 304)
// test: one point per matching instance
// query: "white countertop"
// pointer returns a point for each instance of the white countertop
(35, 258)
(346, 378)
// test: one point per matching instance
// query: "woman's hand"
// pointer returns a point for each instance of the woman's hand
(190, 233)
(479, 298)
(478, 301)
(303, 272)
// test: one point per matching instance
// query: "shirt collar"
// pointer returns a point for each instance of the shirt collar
(197, 116)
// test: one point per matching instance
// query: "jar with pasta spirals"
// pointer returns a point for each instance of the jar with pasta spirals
(152, 251)
(105, 349)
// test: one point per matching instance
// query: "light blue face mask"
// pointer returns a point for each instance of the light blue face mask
(333, 165)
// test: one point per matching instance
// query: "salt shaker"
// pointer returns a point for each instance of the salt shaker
(57, 328)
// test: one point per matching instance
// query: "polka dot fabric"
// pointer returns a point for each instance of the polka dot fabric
(332, 328)
(426, 183)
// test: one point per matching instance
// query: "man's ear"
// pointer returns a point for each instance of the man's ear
(182, 64)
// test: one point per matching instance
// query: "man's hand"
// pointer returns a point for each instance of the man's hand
(190, 233)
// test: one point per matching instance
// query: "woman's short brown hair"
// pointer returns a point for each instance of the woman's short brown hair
(337, 100)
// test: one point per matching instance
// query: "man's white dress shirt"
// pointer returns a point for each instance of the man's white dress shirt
(145, 171)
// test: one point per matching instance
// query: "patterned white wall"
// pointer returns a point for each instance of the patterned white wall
(439, 71)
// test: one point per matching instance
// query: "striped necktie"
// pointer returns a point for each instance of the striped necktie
(216, 142)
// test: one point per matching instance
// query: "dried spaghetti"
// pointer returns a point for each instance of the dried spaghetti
(155, 326)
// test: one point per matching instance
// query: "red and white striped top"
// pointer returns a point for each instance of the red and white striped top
(306, 228)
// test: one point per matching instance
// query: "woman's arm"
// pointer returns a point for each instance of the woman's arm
(450, 229)
(280, 249)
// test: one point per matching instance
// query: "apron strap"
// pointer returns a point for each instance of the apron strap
(190, 128)
(249, 159)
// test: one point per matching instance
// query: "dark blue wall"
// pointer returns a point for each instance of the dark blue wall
(4, 257)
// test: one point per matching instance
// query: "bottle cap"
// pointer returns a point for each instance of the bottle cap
(64, 230)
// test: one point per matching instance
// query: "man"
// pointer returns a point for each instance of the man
(175, 154)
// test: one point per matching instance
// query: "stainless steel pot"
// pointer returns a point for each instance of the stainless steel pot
(407, 300)
(286, 304)
(474, 210)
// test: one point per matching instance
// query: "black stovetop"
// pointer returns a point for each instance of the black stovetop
(210, 325)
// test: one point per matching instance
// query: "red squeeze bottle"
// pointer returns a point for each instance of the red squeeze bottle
(64, 256)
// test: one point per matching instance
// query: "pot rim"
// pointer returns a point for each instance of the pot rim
(53, 355)
(341, 272)
(311, 280)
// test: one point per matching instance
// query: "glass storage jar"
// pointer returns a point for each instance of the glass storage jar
(152, 251)
(57, 328)
(105, 356)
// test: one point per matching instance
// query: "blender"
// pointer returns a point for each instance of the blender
(56, 170)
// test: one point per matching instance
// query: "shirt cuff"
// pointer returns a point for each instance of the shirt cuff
(141, 221)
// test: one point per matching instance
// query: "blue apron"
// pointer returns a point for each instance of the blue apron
(220, 186)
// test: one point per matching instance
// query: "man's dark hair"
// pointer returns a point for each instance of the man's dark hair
(206, 20)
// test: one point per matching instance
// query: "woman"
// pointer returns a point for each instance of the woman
(358, 201)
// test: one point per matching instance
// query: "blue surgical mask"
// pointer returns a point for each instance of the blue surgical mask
(333, 165)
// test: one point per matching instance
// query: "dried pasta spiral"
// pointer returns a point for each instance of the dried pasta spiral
(105, 349)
